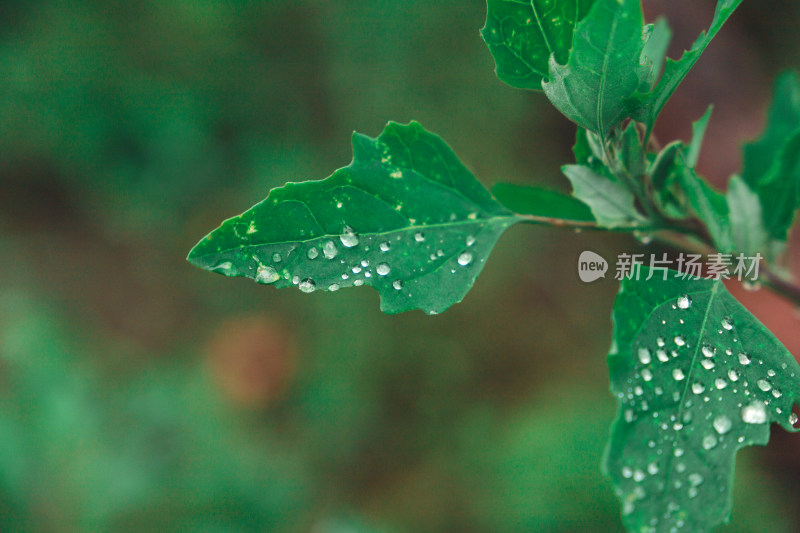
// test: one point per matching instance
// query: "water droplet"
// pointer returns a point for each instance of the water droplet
(627, 473)
(307, 285)
(646, 374)
(638, 476)
(295, 280)
(792, 418)
(698, 388)
(727, 323)
(267, 275)
(661, 342)
(680, 341)
(333, 287)
(397, 174)
(629, 415)
(720, 383)
(709, 441)
(733, 375)
(771, 373)
(708, 364)
(695, 479)
(329, 250)
(383, 269)
(356, 269)
(470, 240)
(684, 302)
(464, 259)
(348, 237)
(358, 282)
(419, 236)
(678, 374)
(677, 452)
(313, 253)
(364, 263)
(722, 424)
(385, 246)
(397, 284)
(662, 356)
(652, 469)
(644, 356)
(744, 359)
(754, 413)
(764, 385)
(276, 257)
(777, 393)
(707, 350)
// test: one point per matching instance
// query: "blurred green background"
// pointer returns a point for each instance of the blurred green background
(138, 393)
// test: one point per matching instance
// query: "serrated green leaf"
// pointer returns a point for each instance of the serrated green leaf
(612, 204)
(698, 134)
(696, 377)
(604, 68)
(655, 49)
(748, 235)
(540, 202)
(645, 107)
(772, 163)
(405, 217)
(522, 35)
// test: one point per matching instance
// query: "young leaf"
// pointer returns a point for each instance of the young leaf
(542, 203)
(522, 35)
(645, 107)
(708, 204)
(698, 134)
(405, 217)
(772, 163)
(612, 203)
(696, 377)
(604, 67)
(748, 235)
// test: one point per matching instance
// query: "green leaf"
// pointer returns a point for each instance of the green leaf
(655, 49)
(405, 217)
(748, 235)
(522, 35)
(645, 107)
(772, 163)
(631, 152)
(540, 202)
(604, 68)
(708, 205)
(612, 203)
(696, 377)
(698, 134)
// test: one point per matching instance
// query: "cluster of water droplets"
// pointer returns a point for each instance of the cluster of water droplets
(687, 388)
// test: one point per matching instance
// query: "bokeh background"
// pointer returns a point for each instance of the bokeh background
(138, 393)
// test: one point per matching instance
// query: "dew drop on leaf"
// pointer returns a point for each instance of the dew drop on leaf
(333, 287)
(754, 413)
(267, 275)
(397, 284)
(385, 246)
(709, 441)
(644, 356)
(764, 385)
(313, 253)
(678, 374)
(329, 250)
(307, 285)
(684, 302)
(348, 237)
(419, 236)
(744, 359)
(464, 259)
(722, 424)
(727, 323)
(383, 269)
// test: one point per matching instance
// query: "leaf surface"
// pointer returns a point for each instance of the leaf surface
(645, 107)
(748, 234)
(522, 35)
(405, 217)
(604, 68)
(655, 49)
(611, 202)
(541, 202)
(696, 377)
